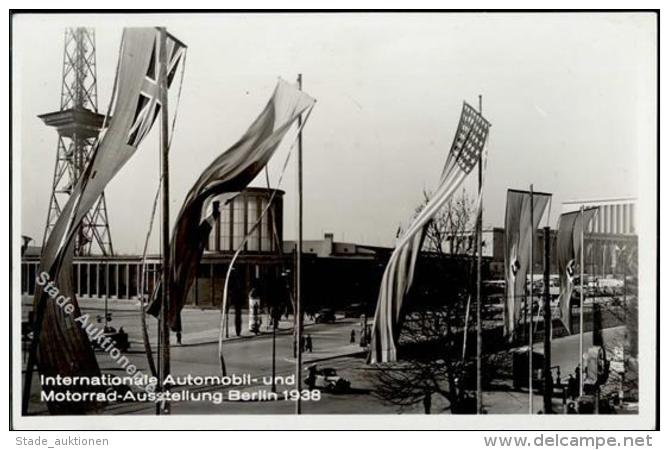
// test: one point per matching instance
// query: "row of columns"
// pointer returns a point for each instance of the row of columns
(235, 222)
(614, 219)
(119, 286)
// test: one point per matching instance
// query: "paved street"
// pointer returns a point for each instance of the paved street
(250, 354)
(198, 354)
(564, 353)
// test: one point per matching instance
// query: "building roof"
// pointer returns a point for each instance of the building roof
(601, 201)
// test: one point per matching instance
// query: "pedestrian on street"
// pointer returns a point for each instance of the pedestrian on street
(549, 384)
(427, 402)
(564, 399)
(311, 377)
(572, 387)
(557, 382)
(309, 344)
(353, 336)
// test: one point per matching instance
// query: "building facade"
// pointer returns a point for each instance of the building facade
(616, 216)
(239, 217)
(335, 274)
(119, 276)
(611, 233)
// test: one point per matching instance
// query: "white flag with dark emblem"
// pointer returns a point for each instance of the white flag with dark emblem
(520, 221)
(225, 177)
(568, 249)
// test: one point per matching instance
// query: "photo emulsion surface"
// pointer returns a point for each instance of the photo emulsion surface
(352, 220)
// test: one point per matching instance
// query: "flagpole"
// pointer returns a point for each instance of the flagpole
(531, 341)
(479, 263)
(580, 328)
(548, 323)
(298, 271)
(164, 132)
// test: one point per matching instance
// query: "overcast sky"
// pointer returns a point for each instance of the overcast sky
(571, 98)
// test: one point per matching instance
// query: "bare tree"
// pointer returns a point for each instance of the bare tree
(432, 332)
(450, 231)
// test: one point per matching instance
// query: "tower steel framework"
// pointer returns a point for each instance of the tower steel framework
(78, 124)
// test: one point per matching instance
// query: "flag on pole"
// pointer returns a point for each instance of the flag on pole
(225, 177)
(136, 106)
(468, 144)
(63, 347)
(518, 231)
(570, 227)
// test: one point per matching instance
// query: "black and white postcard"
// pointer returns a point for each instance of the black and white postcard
(343, 220)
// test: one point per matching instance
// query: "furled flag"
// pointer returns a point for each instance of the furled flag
(521, 220)
(63, 347)
(225, 177)
(466, 149)
(570, 226)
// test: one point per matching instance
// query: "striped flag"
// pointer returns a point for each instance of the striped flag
(570, 226)
(466, 150)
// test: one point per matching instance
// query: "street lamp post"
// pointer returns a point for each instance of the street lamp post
(274, 324)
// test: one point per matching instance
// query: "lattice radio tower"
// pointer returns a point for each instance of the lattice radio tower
(78, 124)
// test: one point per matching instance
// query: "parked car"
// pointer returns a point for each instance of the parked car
(356, 310)
(610, 286)
(325, 315)
(119, 338)
(553, 287)
(327, 379)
